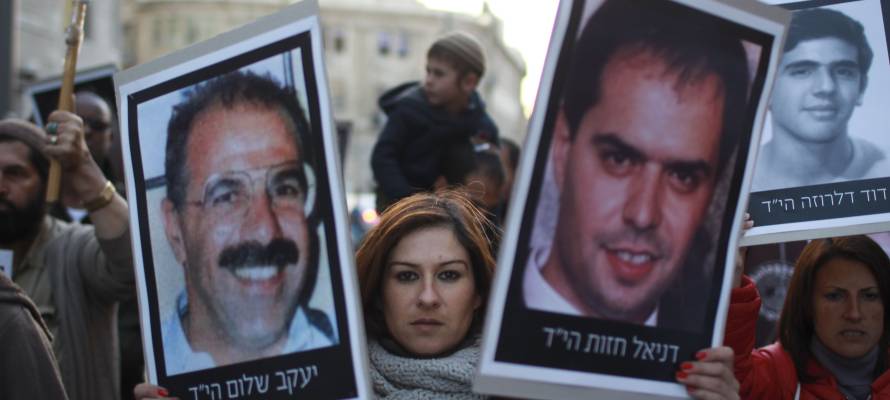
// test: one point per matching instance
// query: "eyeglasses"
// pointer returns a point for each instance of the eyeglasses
(230, 194)
(95, 124)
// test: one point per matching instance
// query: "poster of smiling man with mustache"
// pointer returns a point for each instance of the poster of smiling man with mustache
(824, 162)
(247, 281)
(237, 217)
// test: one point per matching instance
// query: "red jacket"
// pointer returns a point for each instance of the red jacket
(768, 373)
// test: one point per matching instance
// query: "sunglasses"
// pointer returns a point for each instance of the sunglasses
(95, 124)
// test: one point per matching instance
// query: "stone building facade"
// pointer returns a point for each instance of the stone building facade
(40, 38)
(371, 45)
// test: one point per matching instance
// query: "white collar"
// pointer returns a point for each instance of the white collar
(539, 295)
(180, 358)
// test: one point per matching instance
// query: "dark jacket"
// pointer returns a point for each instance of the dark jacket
(28, 369)
(76, 281)
(408, 154)
(768, 373)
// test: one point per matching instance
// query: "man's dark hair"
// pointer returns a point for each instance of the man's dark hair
(458, 161)
(488, 164)
(463, 158)
(693, 45)
(512, 152)
(227, 91)
(37, 159)
(820, 23)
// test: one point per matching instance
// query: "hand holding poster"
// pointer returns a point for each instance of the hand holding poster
(824, 162)
(246, 279)
(613, 268)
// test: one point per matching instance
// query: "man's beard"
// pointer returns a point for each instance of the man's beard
(21, 223)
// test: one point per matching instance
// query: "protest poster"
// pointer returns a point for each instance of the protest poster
(245, 273)
(44, 95)
(615, 266)
(824, 162)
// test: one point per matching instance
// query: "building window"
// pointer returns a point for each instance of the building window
(171, 29)
(403, 45)
(339, 41)
(338, 96)
(157, 32)
(88, 24)
(384, 43)
(191, 31)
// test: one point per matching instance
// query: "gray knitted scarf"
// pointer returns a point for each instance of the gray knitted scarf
(404, 378)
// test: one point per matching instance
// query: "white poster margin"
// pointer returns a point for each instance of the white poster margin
(345, 247)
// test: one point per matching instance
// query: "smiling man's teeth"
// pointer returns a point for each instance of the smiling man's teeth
(256, 273)
(632, 258)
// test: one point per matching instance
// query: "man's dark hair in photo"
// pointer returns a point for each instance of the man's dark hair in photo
(692, 43)
(820, 23)
(227, 90)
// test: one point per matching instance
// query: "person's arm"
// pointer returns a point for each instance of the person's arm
(386, 155)
(27, 367)
(710, 377)
(104, 253)
(82, 177)
(754, 369)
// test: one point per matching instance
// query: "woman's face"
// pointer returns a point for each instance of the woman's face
(429, 294)
(849, 313)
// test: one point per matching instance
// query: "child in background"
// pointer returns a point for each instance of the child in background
(425, 119)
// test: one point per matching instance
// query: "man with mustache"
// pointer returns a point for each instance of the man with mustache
(647, 124)
(237, 217)
(821, 80)
(74, 274)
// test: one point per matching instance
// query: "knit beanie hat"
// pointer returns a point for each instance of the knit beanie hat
(25, 132)
(465, 47)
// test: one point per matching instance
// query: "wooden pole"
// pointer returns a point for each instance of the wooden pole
(73, 39)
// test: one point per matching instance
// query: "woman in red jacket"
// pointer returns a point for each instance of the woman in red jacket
(833, 336)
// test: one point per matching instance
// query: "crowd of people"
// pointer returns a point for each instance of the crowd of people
(425, 270)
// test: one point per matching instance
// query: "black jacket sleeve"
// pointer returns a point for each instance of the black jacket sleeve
(27, 368)
(385, 157)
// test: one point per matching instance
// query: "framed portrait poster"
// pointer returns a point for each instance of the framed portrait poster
(245, 273)
(824, 162)
(44, 95)
(613, 268)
